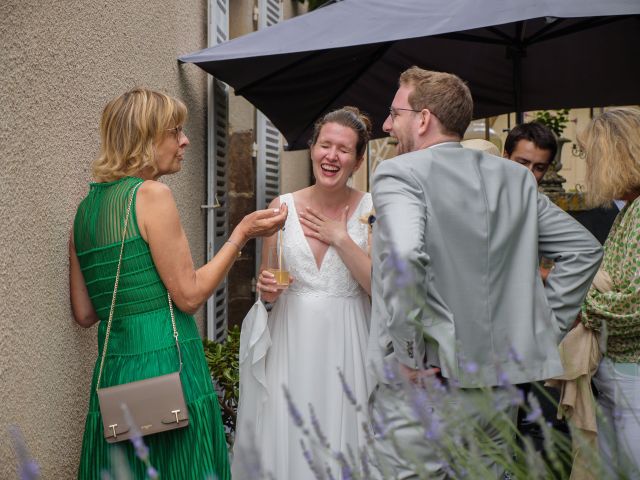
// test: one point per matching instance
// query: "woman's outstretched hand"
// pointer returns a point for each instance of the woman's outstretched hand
(264, 223)
(323, 228)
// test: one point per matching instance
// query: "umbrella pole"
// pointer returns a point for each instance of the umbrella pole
(517, 51)
(517, 85)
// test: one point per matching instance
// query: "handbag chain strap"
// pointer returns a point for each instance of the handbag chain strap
(115, 291)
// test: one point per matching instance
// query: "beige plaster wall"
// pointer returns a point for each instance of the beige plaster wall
(62, 61)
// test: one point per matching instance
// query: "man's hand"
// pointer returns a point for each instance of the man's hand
(416, 376)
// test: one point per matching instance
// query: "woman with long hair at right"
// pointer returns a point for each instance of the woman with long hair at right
(611, 143)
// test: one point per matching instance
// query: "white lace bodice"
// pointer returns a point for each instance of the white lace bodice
(333, 279)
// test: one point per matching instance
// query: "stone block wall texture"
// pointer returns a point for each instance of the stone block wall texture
(242, 200)
(294, 166)
(62, 61)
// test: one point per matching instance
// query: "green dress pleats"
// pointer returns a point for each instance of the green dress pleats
(141, 345)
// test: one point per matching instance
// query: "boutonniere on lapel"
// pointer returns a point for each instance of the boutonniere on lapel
(369, 219)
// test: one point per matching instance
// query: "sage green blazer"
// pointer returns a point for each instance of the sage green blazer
(456, 284)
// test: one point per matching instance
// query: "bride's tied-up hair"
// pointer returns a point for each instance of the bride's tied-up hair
(131, 126)
(350, 117)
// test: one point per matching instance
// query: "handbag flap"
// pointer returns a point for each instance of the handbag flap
(153, 403)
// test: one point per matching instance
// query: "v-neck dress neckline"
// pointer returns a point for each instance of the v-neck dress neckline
(300, 231)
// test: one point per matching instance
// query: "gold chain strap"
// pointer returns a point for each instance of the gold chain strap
(115, 290)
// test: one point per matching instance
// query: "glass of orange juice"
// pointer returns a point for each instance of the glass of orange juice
(277, 265)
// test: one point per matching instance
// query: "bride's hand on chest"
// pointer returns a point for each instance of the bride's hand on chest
(320, 227)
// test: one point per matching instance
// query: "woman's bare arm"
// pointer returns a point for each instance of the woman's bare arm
(160, 226)
(81, 307)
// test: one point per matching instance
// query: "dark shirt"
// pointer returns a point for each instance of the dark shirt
(598, 221)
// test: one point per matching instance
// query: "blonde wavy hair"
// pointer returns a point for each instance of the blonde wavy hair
(611, 143)
(131, 125)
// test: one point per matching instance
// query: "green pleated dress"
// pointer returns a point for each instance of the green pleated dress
(141, 345)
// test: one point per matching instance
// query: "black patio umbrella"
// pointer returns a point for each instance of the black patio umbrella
(516, 55)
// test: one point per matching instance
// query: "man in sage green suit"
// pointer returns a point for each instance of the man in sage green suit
(465, 229)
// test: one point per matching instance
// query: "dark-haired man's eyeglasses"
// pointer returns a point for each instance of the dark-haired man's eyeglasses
(393, 111)
(177, 131)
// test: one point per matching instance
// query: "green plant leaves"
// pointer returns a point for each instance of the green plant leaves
(223, 362)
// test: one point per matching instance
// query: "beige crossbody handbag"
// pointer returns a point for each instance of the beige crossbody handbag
(155, 404)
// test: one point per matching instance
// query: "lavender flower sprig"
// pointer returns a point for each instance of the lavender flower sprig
(28, 469)
(317, 429)
(348, 392)
(293, 410)
(141, 449)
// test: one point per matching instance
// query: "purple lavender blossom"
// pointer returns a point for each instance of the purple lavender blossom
(142, 452)
(379, 423)
(434, 432)
(517, 396)
(152, 472)
(447, 469)
(306, 453)
(514, 356)
(422, 408)
(309, 458)
(471, 367)
(389, 372)
(533, 415)
(316, 427)
(616, 414)
(346, 470)
(364, 461)
(347, 390)
(503, 379)
(293, 410)
(536, 412)
(403, 275)
(28, 469)
(249, 457)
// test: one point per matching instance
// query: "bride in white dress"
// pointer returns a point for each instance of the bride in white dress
(319, 324)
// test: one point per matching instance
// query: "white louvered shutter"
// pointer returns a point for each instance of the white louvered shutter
(217, 162)
(267, 135)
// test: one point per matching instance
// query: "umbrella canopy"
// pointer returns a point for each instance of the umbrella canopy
(516, 55)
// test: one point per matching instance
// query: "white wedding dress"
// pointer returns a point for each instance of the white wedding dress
(317, 327)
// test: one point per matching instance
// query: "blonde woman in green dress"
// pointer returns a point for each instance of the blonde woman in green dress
(611, 143)
(142, 140)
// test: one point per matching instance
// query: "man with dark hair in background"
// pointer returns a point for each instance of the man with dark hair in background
(532, 145)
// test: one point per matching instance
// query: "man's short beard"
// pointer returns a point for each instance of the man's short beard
(405, 147)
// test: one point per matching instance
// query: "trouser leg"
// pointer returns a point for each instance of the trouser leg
(410, 445)
(619, 417)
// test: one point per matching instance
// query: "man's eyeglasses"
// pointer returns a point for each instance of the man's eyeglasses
(393, 111)
(177, 131)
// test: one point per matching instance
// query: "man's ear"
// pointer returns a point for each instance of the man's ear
(425, 121)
